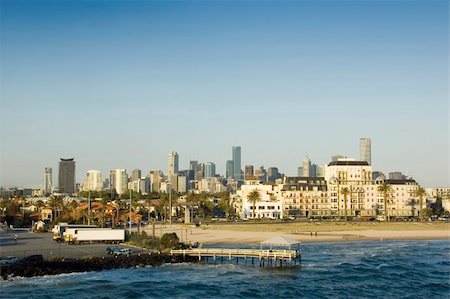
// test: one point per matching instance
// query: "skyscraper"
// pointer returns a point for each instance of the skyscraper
(193, 165)
(365, 150)
(172, 163)
(248, 172)
(210, 170)
(48, 180)
(67, 176)
(94, 181)
(119, 180)
(229, 169)
(307, 167)
(135, 175)
(236, 155)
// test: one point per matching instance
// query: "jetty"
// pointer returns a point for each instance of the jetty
(263, 256)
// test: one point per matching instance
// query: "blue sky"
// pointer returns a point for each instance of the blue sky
(118, 84)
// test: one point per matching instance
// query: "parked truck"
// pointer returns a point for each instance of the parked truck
(94, 235)
(60, 229)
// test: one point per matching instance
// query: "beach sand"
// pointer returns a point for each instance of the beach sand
(253, 233)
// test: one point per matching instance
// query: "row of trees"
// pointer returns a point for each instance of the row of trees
(153, 205)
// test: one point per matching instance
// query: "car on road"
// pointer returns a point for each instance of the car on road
(112, 250)
(124, 251)
(8, 260)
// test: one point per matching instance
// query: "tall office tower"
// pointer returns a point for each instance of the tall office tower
(48, 180)
(365, 150)
(261, 174)
(273, 174)
(172, 162)
(248, 173)
(135, 175)
(236, 155)
(210, 170)
(307, 167)
(94, 181)
(119, 180)
(106, 184)
(155, 180)
(67, 176)
(193, 165)
(229, 169)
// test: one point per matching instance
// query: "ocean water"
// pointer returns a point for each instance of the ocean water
(372, 269)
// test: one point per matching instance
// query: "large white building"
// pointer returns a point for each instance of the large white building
(94, 181)
(119, 180)
(353, 176)
(270, 205)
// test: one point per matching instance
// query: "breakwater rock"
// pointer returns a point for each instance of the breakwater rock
(90, 264)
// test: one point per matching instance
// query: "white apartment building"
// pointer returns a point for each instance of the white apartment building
(119, 180)
(269, 206)
(94, 181)
(353, 176)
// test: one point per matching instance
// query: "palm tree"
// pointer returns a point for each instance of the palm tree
(345, 191)
(420, 192)
(254, 197)
(386, 189)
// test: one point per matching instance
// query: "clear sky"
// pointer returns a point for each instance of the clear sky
(118, 84)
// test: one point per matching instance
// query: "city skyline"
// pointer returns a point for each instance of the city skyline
(117, 85)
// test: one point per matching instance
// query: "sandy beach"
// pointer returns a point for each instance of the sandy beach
(253, 233)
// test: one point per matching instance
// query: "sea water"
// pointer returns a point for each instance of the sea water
(371, 269)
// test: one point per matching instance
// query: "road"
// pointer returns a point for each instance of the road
(29, 243)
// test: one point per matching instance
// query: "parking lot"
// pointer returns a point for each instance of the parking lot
(29, 243)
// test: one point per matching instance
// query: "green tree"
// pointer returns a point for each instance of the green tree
(345, 191)
(420, 193)
(253, 197)
(386, 190)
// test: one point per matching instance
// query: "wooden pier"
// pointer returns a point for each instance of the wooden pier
(263, 257)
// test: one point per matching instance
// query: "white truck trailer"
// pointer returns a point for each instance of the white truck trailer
(94, 235)
(60, 229)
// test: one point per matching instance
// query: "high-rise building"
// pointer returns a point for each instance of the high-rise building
(155, 180)
(193, 165)
(273, 174)
(261, 173)
(48, 180)
(67, 176)
(210, 170)
(229, 173)
(119, 180)
(248, 173)
(94, 181)
(236, 155)
(172, 162)
(307, 167)
(365, 150)
(135, 175)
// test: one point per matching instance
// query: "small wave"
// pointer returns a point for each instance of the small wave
(381, 266)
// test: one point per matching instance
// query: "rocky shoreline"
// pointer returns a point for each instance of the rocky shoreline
(91, 264)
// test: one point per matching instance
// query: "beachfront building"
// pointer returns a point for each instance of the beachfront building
(305, 197)
(347, 180)
(403, 201)
(269, 205)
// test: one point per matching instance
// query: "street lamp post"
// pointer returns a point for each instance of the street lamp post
(130, 211)
(170, 205)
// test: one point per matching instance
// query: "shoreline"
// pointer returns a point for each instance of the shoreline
(254, 233)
